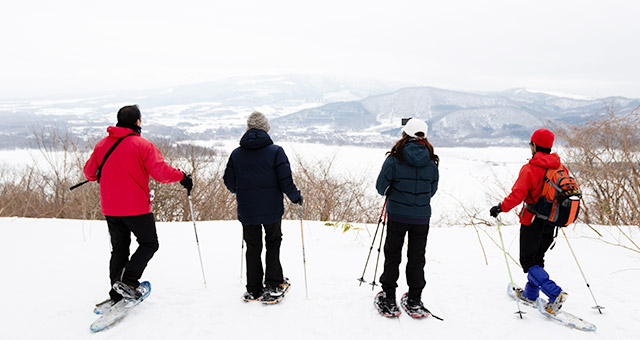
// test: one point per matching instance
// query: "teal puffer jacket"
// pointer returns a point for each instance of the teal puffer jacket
(411, 184)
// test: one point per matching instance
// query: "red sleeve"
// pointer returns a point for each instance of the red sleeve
(91, 167)
(158, 168)
(520, 189)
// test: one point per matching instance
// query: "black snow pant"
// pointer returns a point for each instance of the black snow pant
(252, 234)
(121, 267)
(415, 258)
(535, 240)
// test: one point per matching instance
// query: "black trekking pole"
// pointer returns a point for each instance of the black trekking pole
(513, 286)
(375, 272)
(304, 260)
(197, 241)
(597, 306)
(79, 184)
(242, 259)
(361, 279)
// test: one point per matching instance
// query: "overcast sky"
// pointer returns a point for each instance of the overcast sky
(78, 47)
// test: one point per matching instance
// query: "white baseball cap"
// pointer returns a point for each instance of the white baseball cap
(414, 126)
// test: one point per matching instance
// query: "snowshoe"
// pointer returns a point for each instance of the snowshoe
(386, 306)
(120, 309)
(104, 306)
(414, 309)
(273, 295)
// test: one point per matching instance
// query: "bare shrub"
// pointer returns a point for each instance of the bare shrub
(210, 198)
(42, 189)
(331, 197)
(604, 154)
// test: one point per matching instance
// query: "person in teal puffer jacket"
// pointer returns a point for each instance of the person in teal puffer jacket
(409, 178)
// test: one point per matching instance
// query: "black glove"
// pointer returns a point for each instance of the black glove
(187, 183)
(300, 200)
(495, 210)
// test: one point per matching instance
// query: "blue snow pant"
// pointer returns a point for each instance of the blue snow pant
(535, 240)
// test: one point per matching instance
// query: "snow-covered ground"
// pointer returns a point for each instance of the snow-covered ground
(55, 270)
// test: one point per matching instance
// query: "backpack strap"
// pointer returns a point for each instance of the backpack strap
(113, 147)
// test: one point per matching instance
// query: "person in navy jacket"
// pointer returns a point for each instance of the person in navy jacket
(258, 173)
(409, 178)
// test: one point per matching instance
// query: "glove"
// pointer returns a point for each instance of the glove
(495, 210)
(187, 183)
(299, 201)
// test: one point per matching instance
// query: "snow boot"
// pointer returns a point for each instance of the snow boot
(414, 308)
(249, 296)
(129, 292)
(386, 306)
(553, 307)
(272, 295)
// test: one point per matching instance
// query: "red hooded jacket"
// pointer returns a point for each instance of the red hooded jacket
(528, 186)
(124, 183)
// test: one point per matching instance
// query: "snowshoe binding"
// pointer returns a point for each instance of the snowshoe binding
(130, 292)
(553, 307)
(387, 307)
(273, 295)
(414, 309)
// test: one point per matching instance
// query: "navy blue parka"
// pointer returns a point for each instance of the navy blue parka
(258, 172)
(410, 184)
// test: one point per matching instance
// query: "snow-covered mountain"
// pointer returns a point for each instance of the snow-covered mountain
(213, 110)
(455, 118)
(313, 109)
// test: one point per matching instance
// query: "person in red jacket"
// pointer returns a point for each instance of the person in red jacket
(536, 234)
(124, 195)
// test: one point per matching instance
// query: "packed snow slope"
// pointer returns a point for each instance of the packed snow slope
(55, 270)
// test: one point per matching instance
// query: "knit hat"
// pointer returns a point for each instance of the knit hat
(258, 121)
(414, 126)
(543, 138)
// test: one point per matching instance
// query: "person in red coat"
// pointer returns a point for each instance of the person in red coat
(536, 234)
(124, 195)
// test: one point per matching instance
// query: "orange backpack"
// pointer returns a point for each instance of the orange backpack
(559, 202)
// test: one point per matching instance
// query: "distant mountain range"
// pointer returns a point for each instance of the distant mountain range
(454, 118)
(310, 108)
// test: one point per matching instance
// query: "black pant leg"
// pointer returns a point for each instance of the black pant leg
(546, 239)
(392, 256)
(252, 235)
(533, 244)
(273, 239)
(416, 259)
(144, 228)
(120, 242)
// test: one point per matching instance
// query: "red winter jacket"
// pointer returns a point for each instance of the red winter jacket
(124, 183)
(528, 186)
